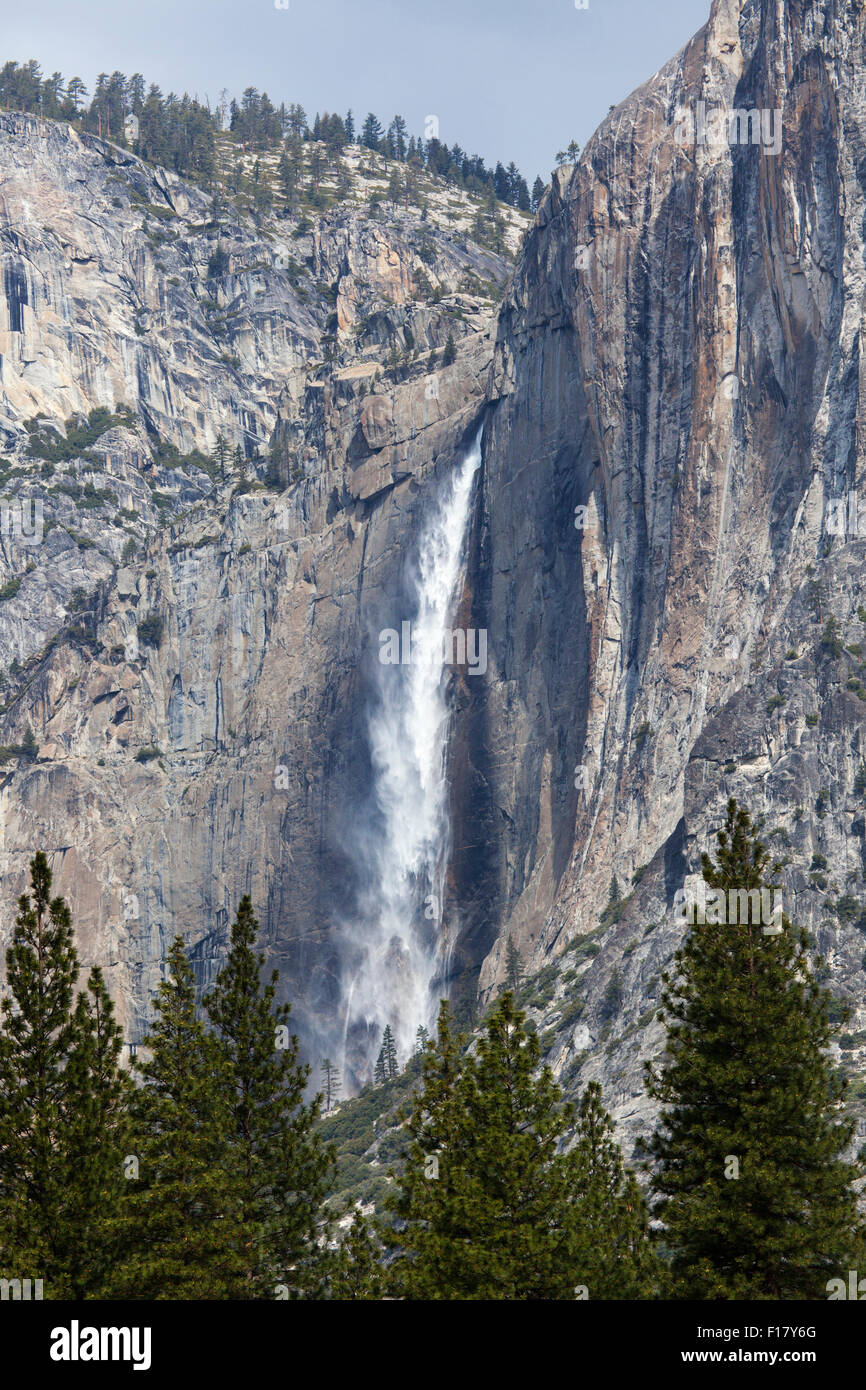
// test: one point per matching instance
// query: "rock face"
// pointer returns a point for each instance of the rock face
(675, 402)
(193, 651)
(671, 404)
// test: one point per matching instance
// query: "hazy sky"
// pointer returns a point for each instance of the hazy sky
(507, 80)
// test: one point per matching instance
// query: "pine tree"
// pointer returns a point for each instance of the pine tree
(317, 167)
(537, 193)
(755, 1197)
(181, 1224)
(397, 139)
(389, 1054)
(422, 1037)
(449, 352)
(357, 1272)
(278, 1167)
(330, 1082)
(96, 1139)
(487, 1204)
(616, 1259)
(288, 174)
(221, 454)
(61, 1103)
(411, 190)
(513, 970)
(76, 92)
(516, 1186)
(426, 1190)
(395, 187)
(501, 184)
(614, 894)
(379, 1073)
(371, 133)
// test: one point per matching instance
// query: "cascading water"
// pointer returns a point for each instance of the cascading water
(400, 942)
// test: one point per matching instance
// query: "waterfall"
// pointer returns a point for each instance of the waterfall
(401, 943)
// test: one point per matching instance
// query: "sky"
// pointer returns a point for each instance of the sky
(506, 79)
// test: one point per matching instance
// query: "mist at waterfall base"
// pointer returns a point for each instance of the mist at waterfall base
(396, 949)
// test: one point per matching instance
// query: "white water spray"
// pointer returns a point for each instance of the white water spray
(400, 940)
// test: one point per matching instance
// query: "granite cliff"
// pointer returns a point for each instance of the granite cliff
(227, 426)
(674, 419)
(670, 395)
